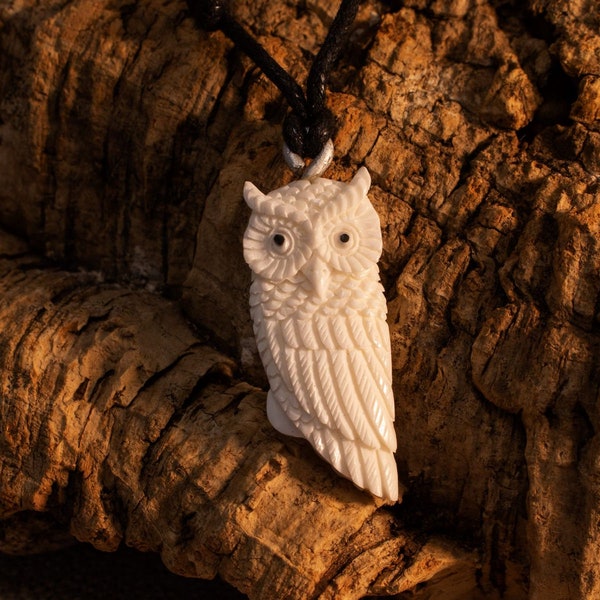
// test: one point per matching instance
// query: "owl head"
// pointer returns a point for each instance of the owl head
(313, 228)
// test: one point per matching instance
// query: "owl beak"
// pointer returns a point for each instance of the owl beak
(318, 274)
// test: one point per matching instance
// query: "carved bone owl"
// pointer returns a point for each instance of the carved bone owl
(319, 319)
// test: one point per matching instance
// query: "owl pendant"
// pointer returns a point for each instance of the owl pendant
(319, 317)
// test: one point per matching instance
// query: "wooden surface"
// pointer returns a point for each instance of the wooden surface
(131, 403)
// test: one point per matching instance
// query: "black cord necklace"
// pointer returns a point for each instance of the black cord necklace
(309, 127)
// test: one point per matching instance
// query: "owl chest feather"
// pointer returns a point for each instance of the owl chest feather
(287, 316)
(294, 298)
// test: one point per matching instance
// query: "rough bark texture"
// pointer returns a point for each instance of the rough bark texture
(125, 137)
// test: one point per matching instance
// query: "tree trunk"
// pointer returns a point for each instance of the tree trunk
(126, 134)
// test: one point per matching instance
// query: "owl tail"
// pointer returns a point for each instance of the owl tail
(372, 469)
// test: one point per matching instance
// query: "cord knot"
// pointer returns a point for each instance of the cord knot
(307, 136)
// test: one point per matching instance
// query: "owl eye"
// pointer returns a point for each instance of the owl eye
(345, 240)
(276, 246)
(281, 243)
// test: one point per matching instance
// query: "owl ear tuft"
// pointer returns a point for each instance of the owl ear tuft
(252, 195)
(362, 181)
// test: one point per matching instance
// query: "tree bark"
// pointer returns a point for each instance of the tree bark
(126, 134)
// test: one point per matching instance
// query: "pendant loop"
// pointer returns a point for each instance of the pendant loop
(316, 168)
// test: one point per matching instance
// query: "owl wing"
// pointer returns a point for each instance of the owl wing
(330, 378)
